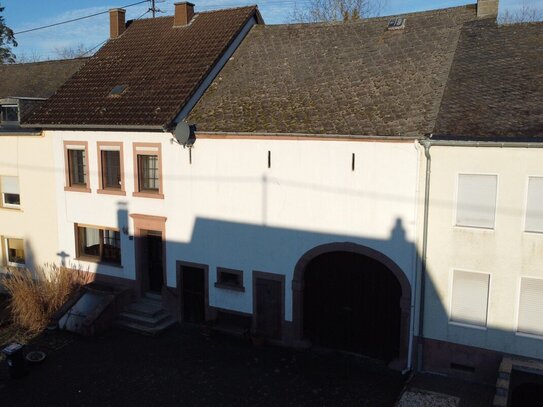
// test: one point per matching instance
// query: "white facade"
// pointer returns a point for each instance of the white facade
(225, 208)
(499, 250)
(27, 159)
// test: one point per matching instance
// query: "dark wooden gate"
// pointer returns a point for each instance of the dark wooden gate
(193, 285)
(268, 307)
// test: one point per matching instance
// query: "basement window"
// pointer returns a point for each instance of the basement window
(229, 279)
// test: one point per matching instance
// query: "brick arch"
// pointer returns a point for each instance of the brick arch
(405, 299)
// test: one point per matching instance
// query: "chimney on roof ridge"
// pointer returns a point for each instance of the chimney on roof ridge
(117, 23)
(487, 8)
(183, 13)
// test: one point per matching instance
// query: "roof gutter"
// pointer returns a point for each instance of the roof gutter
(306, 135)
(93, 127)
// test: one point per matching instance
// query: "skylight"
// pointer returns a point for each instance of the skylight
(118, 90)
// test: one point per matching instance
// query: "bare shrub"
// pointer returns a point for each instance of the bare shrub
(36, 296)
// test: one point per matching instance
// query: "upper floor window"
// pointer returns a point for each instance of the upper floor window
(98, 244)
(111, 171)
(15, 252)
(148, 172)
(476, 200)
(77, 164)
(9, 188)
(534, 205)
(9, 115)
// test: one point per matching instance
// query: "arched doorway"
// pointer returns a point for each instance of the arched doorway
(350, 297)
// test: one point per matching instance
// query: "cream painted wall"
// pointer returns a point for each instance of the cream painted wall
(507, 252)
(31, 159)
(229, 209)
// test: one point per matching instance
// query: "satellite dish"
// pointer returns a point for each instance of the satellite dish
(182, 133)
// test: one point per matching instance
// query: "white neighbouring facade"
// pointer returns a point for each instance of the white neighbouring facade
(223, 206)
(494, 252)
(27, 161)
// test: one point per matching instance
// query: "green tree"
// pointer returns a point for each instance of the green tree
(7, 40)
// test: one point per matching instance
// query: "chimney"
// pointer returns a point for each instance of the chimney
(487, 8)
(117, 23)
(183, 13)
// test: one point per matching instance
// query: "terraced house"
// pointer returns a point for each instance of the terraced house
(308, 183)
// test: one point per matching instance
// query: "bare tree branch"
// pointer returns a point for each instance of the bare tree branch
(335, 10)
(76, 51)
(525, 14)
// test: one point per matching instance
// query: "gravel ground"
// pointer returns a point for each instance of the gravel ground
(184, 367)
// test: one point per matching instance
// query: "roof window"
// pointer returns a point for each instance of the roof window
(118, 90)
(9, 115)
(396, 24)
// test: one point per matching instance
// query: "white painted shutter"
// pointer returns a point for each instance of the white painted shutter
(10, 185)
(476, 200)
(534, 205)
(530, 314)
(469, 298)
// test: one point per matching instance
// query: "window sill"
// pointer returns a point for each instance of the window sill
(111, 192)
(230, 287)
(77, 189)
(12, 208)
(94, 260)
(154, 195)
(464, 325)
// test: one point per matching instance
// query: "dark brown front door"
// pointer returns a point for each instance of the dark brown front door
(193, 280)
(154, 261)
(268, 308)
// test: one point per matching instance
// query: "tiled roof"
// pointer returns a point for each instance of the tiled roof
(37, 79)
(160, 65)
(495, 88)
(352, 78)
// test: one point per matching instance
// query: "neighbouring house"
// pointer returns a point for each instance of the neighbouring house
(484, 279)
(28, 207)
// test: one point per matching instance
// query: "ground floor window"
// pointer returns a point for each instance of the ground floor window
(98, 244)
(229, 279)
(530, 320)
(15, 252)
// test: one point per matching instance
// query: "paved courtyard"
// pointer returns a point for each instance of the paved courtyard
(185, 367)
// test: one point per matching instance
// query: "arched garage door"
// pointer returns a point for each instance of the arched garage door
(352, 298)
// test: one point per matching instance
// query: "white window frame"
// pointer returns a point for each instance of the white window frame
(450, 299)
(517, 310)
(455, 214)
(5, 240)
(4, 204)
(526, 192)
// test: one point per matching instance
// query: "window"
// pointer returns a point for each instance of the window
(530, 313)
(476, 200)
(110, 164)
(469, 299)
(98, 244)
(534, 205)
(148, 173)
(229, 279)
(9, 187)
(77, 165)
(9, 114)
(15, 252)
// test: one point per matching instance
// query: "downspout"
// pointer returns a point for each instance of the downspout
(426, 144)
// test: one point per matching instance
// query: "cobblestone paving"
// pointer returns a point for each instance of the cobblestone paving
(185, 368)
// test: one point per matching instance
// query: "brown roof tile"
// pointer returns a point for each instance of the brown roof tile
(495, 88)
(349, 78)
(161, 66)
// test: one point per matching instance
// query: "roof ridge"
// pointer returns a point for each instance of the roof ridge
(48, 61)
(377, 18)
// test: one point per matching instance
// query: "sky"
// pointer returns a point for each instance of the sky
(90, 33)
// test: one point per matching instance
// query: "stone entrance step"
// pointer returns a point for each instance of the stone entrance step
(145, 316)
